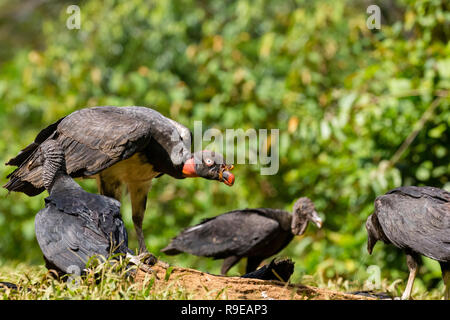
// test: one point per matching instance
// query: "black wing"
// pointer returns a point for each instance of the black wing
(417, 218)
(232, 233)
(66, 241)
(97, 212)
(94, 139)
(73, 228)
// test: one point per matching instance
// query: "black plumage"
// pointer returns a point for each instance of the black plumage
(75, 225)
(416, 220)
(372, 294)
(119, 146)
(253, 233)
(279, 269)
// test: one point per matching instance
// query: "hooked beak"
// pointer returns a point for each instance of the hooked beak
(316, 219)
(226, 176)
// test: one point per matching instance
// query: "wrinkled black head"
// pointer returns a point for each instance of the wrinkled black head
(304, 211)
(209, 165)
(373, 232)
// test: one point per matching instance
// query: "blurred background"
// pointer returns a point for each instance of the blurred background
(359, 111)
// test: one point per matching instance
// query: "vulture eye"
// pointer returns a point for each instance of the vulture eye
(209, 162)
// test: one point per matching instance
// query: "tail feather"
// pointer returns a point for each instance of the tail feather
(43, 135)
(279, 269)
(18, 185)
(27, 178)
(23, 155)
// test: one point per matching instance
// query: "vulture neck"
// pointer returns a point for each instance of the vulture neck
(162, 161)
(284, 218)
(63, 182)
(299, 222)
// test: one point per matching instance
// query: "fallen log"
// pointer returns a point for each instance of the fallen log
(201, 285)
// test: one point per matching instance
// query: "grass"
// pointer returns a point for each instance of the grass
(393, 287)
(105, 280)
(113, 280)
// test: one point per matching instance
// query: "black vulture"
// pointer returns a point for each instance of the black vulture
(76, 225)
(279, 269)
(119, 146)
(416, 220)
(253, 233)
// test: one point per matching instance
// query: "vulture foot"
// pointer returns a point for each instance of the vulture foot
(143, 261)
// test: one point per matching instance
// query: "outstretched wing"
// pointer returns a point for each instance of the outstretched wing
(233, 233)
(417, 218)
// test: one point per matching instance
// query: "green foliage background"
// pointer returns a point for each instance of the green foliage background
(344, 98)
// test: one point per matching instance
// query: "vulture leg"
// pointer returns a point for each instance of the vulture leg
(413, 265)
(138, 194)
(109, 187)
(445, 267)
(253, 264)
(228, 263)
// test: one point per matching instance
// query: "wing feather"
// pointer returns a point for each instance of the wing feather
(70, 234)
(417, 220)
(96, 138)
(233, 233)
(65, 241)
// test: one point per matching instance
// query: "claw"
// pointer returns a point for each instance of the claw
(147, 258)
(143, 262)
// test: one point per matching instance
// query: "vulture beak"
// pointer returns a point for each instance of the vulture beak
(226, 176)
(316, 219)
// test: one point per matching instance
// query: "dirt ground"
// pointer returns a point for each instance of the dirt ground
(202, 285)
